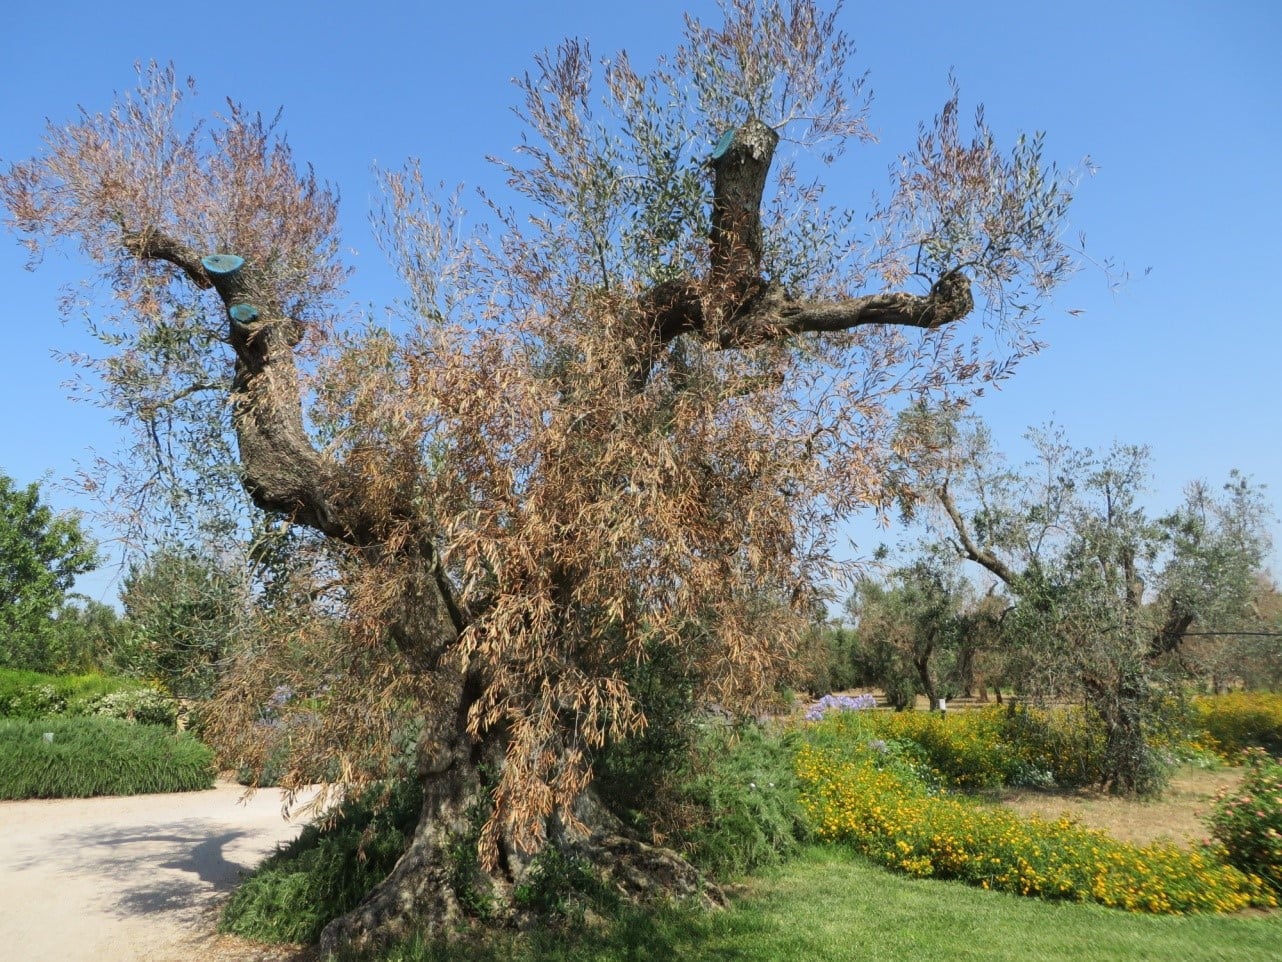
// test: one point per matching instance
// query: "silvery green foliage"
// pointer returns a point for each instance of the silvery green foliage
(146, 706)
(1104, 595)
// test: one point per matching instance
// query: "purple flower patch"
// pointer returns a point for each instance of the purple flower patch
(828, 703)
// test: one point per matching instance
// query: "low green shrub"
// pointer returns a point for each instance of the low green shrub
(37, 701)
(561, 885)
(13, 681)
(146, 706)
(1241, 720)
(897, 822)
(1247, 821)
(736, 808)
(327, 870)
(1062, 746)
(98, 756)
(983, 748)
(30, 694)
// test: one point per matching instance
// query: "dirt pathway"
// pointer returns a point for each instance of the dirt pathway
(1176, 816)
(135, 879)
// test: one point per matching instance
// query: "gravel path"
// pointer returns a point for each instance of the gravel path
(135, 879)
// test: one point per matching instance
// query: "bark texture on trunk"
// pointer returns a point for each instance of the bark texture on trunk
(1129, 765)
(424, 892)
(421, 891)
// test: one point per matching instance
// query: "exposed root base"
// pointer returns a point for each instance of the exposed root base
(419, 894)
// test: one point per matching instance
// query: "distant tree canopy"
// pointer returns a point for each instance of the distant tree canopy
(40, 555)
(622, 412)
(1103, 596)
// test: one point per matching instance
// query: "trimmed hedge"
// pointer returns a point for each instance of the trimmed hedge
(98, 756)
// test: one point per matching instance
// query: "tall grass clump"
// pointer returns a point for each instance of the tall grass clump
(327, 870)
(83, 757)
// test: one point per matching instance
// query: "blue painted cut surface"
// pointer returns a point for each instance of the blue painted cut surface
(244, 313)
(222, 263)
(723, 144)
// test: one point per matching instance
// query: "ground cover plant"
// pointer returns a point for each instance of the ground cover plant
(731, 807)
(984, 748)
(867, 786)
(31, 694)
(326, 871)
(825, 905)
(83, 757)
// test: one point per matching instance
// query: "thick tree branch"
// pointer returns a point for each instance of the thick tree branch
(1172, 633)
(282, 471)
(970, 550)
(734, 307)
(153, 245)
(677, 307)
(740, 167)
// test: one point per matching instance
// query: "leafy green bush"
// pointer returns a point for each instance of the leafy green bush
(98, 756)
(71, 694)
(326, 871)
(982, 748)
(737, 807)
(1060, 746)
(38, 701)
(1247, 822)
(894, 820)
(560, 884)
(1241, 720)
(146, 706)
(827, 661)
(641, 767)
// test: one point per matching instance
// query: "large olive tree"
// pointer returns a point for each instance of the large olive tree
(621, 413)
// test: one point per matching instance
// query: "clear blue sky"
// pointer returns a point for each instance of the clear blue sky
(1179, 104)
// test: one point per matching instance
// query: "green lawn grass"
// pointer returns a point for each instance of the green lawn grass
(826, 905)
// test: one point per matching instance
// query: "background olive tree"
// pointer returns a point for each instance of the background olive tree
(184, 614)
(1103, 595)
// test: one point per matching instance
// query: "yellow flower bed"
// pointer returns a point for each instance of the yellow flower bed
(896, 822)
(1237, 721)
(989, 747)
